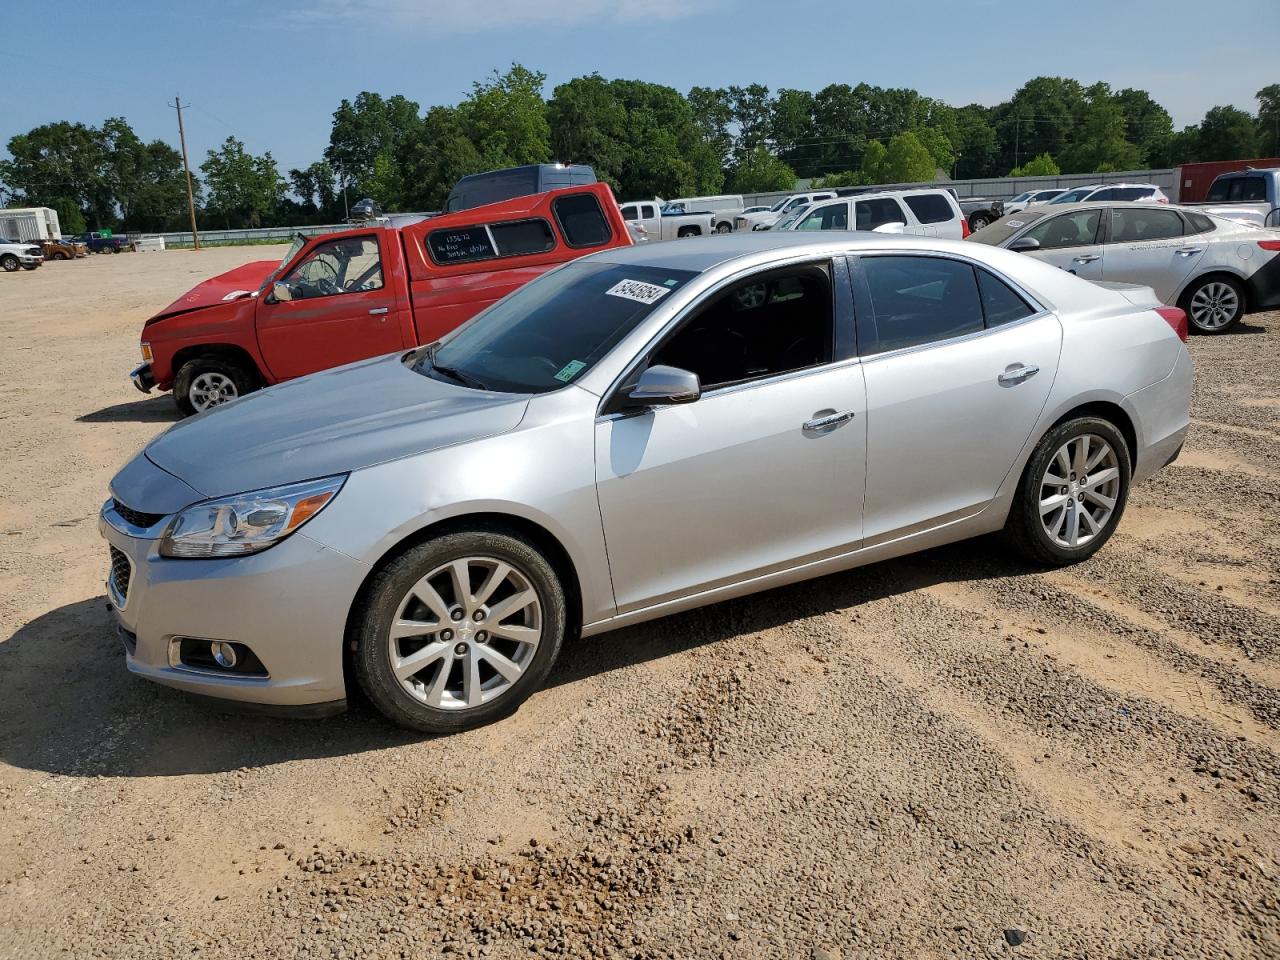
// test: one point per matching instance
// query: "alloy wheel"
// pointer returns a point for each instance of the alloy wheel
(1214, 305)
(465, 633)
(211, 389)
(1079, 490)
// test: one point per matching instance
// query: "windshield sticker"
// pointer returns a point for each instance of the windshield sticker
(570, 369)
(1015, 223)
(638, 290)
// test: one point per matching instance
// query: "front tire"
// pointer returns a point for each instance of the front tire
(10, 264)
(210, 381)
(1072, 493)
(1213, 304)
(978, 221)
(457, 632)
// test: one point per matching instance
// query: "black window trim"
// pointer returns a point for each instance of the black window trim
(844, 348)
(864, 311)
(564, 235)
(426, 242)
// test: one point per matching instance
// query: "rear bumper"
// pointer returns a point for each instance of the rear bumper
(1162, 414)
(142, 377)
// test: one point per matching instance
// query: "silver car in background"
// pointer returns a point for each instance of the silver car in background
(636, 433)
(1216, 270)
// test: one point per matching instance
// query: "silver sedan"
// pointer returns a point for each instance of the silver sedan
(635, 433)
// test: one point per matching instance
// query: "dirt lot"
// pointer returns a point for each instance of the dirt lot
(932, 757)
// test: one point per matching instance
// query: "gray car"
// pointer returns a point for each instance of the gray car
(638, 432)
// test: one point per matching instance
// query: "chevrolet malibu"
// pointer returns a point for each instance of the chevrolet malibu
(638, 432)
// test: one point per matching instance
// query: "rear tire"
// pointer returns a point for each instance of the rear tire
(59, 255)
(978, 221)
(688, 232)
(1213, 304)
(1072, 493)
(723, 227)
(210, 381)
(465, 650)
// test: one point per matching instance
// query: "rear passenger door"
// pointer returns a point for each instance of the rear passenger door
(958, 364)
(1149, 246)
(877, 212)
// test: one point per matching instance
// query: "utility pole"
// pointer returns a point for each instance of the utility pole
(191, 200)
(1017, 127)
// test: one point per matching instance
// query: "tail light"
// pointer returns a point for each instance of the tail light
(1269, 244)
(964, 227)
(1176, 319)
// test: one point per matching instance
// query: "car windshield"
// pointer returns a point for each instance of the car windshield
(779, 205)
(299, 241)
(786, 222)
(997, 233)
(1073, 196)
(551, 331)
(1025, 195)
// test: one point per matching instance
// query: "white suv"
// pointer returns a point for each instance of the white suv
(924, 213)
(1113, 191)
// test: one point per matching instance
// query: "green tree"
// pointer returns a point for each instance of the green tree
(1041, 166)
(1227, 133)
(939, 146)
(243, 190)
(70, 216)
(761, 172)
(506, 118)
(907, 161)
(1268, 141)
(1040, 117)
(588, 123)
(1100, 141)
(873, 168)
(435, 157)
(316, 188)
(752, 111)
(364, 130)
(1148, 125)
(847, 178)
(712, 114)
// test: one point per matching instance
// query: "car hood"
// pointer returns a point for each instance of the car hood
(242, 281)
(330, 422)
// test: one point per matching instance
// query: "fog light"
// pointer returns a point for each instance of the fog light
(224, 654)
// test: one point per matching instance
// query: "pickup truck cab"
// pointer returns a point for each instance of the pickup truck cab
(100, 244)
(390, 285)
(661, 220)
(1250, 196)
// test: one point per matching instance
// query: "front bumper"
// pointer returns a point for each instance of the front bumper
(288, 604)
(142, 377)
(28, 261)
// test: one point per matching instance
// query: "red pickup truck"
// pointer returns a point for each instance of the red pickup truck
(391, 285)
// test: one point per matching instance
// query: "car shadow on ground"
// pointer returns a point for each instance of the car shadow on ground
(69, 707)
(151, 410)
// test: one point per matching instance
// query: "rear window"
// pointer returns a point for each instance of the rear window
(490, 241)
(930, 207)
(1234, 189)
(1253, 189)
(582, 220)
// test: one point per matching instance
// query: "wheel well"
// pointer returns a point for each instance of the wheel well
(1215, 275)
(226, 350)
(538, 535)
(1114, 414)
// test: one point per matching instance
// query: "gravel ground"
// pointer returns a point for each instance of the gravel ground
(950, 755)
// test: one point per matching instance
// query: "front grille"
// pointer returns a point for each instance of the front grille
(136, 517)
(121, 568)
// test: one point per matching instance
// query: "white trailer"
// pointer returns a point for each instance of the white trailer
(30, 223)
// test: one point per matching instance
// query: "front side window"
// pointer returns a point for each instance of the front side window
(1069, 230)
(347, 265)
(1073, 196)
(834, 216)
(869, 214)
(761, 327)
(1137, 224)
(553, 329)
(582, 220)
(930, 207)
(918, 300)
(1047, 194)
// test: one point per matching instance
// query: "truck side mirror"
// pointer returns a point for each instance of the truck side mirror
(281, 292)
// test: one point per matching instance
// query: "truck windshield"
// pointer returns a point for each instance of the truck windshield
(299, 241)
(551, 331)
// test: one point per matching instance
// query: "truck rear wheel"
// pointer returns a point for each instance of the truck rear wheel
(210, 381)
(688, 232)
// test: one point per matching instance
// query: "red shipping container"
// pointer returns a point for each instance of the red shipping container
(1194, 179)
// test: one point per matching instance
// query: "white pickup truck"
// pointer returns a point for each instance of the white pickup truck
(1250, 196)
(658, 220)
(764, 219)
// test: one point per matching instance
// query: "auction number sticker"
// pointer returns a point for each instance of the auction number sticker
(569, 370)
(1015, 224)
(638, 290)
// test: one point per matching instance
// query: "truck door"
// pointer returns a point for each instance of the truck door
(339, 310)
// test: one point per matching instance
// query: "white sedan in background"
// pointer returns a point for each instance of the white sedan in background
(1216, 270)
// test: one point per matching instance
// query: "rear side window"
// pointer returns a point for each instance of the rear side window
(582, 220)
(1111, 193)
(918, 300)
(869, 214)
(489, 241)
(1199, 223)
(1001, 304)
(1130, 193)
(930, 207)
(1135, 224)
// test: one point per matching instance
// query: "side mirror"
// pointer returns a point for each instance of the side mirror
(281, 292)
(1024, 245)
(662, 384)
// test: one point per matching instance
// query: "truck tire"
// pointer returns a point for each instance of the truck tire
(58, 255)
(10, 263)
(210, 381)
(979, 220)
(688, 232)
(723, 226)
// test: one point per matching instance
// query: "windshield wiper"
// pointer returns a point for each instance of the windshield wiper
(466, 379)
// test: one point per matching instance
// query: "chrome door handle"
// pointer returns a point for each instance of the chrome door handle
(1086, 258)
(828, 421)
(377, 310)
(1018, 372)
(1188, 251)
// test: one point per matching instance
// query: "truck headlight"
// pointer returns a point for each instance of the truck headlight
(247, 522)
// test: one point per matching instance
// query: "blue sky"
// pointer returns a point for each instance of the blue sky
(272, 73)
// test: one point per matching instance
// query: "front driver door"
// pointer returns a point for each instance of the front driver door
(341, 310)
(1072, 241)
(765, 470)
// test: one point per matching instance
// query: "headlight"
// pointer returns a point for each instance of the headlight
(247, 522)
